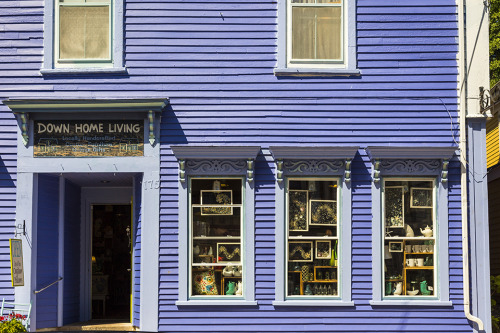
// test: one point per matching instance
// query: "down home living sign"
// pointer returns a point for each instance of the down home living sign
(83, 138)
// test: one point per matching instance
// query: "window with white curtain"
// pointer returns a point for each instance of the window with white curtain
(83, 31)
(316, 30)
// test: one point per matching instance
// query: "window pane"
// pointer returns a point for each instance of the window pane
(216, 247)
(84, 32)
(409, 246)
(312, 248)
(316, 32)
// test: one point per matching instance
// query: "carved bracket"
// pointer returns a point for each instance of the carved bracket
(250, 166)
(182, 171)
(347, 172)
(24, 127)
(444, 172)
(376, 171)
(279, 171)
(151, 118)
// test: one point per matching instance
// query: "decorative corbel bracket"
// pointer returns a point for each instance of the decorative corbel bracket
(182, 171)
(151, 118)
(24, 127)
(376, 171)
(279, 170)
(347, 172)
(250, 167)
(444, 172)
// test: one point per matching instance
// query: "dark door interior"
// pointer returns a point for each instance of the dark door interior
(111, 261)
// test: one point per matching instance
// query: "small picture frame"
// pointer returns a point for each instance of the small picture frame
(214, 202)
(395, 246)
(323, 212)
(323, 249)
(300, 251)
(297, 210)
(228, 252)
(394, 197)
(420, 197)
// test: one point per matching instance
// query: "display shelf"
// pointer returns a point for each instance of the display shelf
(420, 267)
(393, 280)
(409, 238)
(223, 282)
(313, 237)
(321, 281)
(215, 237)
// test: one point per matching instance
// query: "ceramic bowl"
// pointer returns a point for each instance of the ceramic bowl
(412, 292)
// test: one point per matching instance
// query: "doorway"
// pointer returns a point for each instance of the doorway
(111, 256)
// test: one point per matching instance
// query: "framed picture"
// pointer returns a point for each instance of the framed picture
(213, 200)
(323, 249)
(323, 212)
(395, 246)
(300, 251)
(228, 252)
(394, 206)
(297, 210)
(420, 197)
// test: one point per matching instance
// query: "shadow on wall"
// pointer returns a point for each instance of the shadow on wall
(171, 132)
(6, 179)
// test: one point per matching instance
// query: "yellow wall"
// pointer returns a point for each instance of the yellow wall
(492, 144)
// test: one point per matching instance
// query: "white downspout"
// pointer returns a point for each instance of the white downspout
(463, 161)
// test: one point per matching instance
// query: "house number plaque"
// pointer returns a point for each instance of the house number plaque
(82, 138)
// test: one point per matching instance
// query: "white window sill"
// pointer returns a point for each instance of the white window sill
(216, 302)
(318, 302)
(411, 303)
(316, 72)
(83, 70)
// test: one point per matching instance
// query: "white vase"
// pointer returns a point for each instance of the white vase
(196, 250)
(239, 289)
(399, 288)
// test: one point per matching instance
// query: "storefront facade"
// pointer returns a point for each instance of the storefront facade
(207, 169)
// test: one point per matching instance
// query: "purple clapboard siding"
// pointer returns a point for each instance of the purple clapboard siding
(215, 62)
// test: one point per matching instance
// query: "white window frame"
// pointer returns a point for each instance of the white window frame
(242, 240)
(408, 162)
(435, 237)
(346, 66)
(108, 62)
(338, 237)
(51, 62)
(211, 159)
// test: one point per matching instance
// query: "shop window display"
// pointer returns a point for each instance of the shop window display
(312, 243)
(216, 237)
(409, 238)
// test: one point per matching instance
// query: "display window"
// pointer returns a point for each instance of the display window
(312, 238)
(216, 247)
(409, 217)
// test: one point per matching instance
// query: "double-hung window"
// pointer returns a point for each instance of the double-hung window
(316, 37)
(83, 36)
(83, 31)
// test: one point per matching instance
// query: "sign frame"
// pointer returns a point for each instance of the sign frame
(16, 277)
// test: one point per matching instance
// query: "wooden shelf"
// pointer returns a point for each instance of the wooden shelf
(215, 237)
(321, 281)
(410, 253)
(393, 280)
(420, 267)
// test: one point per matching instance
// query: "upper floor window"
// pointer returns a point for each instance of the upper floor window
(315, 34)
(83, 36)
(316, 37)
(83, 31)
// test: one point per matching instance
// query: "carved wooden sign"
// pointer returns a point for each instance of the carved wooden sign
(84, 138)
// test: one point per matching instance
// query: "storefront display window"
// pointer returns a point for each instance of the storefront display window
(410, 265)
(313, 242)
(216, 237)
